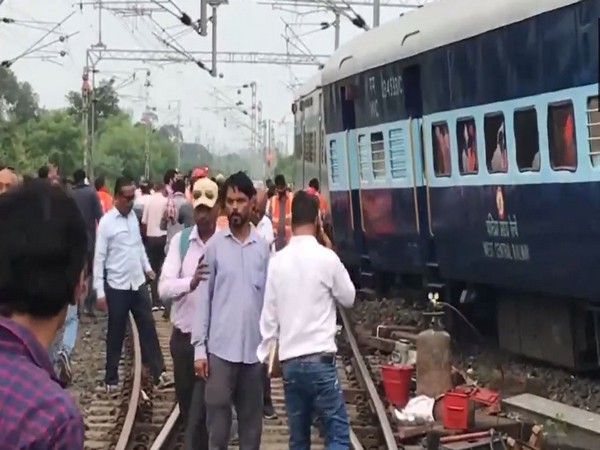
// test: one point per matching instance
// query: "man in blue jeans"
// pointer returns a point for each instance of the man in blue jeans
(305, 283)
(63, 345)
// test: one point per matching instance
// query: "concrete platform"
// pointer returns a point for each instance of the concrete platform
(582, 428)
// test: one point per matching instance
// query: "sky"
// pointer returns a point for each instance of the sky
(177, 89)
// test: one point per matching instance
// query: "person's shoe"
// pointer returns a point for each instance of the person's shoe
(155, 308)
(89, 313)
(64, 372)
(269, 412)
(164, 381)
(111, 388)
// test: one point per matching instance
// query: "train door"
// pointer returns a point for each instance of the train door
(413, 103)
(349, 124)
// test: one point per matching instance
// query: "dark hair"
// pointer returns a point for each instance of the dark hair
(121, 183)
(241, 182)
(99, 183)
(43, 172)
(179, 186)
(79, 176)
(43, 243)
(305, 209)
(314, 183)
(279, 180)
(169, 175)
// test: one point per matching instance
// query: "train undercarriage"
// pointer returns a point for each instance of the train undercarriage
(561, 332)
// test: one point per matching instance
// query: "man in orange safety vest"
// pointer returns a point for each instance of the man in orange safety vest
(280, 211)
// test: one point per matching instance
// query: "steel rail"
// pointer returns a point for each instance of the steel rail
(134, 400)
(386, 428)
(167, 430)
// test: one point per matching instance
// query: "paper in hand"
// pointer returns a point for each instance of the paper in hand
(274, 367)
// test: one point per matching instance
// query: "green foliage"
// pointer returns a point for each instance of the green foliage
(30, 138)
(285, 166)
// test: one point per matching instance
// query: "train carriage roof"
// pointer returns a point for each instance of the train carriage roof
(308, 87)
(434, 25)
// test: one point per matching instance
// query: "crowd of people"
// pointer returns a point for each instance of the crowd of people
(242, 274)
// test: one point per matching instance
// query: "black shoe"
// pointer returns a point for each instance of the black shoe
(269, 412)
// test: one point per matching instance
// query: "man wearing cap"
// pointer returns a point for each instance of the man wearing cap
(197, 173)
(182, 272)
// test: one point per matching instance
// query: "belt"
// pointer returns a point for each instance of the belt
(323, 358)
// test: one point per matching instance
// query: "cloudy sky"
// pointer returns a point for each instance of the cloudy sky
(243, 26)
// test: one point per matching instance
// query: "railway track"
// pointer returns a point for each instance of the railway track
(370, 427)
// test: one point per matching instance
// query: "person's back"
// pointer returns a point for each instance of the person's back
(43, 245)
(305, 281)
(87, 200)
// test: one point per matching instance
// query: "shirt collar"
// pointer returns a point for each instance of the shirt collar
(37, 353)
(252, 237)
(302, 238)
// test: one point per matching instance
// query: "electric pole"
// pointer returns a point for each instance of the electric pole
(147, 123)
(179, 134)
(85, 105)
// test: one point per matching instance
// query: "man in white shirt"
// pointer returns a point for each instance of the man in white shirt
(305, 281)
(264, 226)
(121, 268)
(261, 221)
(156, 237)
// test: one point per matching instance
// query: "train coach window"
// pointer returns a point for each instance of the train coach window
(496, 154)
(363, 157)
(440, 138)
(298, 145)
(466, 138)
(527, 141)
(562, 143)
(333, 161)
(593, 127)
(397, 145)
(378, 155)
(309, 147)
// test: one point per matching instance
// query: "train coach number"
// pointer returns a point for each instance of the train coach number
(391, 87)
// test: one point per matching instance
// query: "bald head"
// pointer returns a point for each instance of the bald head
(260, 207)
(8, 179)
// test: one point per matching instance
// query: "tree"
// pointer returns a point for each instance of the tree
(106, 102)
(285, 166)
(17, 100)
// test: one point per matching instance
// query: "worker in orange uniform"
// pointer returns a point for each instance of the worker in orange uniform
(106, 200)
(314, 184)
(280, 211)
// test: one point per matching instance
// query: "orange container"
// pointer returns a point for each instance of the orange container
(396, 383)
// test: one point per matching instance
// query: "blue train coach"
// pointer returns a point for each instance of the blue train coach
(462, 143)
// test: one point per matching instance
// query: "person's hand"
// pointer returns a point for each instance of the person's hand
(201, 274)
(101, 303)
(201, 368)
(151, 275)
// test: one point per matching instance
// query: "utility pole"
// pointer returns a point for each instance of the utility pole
(92, 126)
(178, 136)
(376, 12)
(85, 105)
(147, 123)
(336, 27)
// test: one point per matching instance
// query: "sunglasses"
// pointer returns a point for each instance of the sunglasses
(208, 194)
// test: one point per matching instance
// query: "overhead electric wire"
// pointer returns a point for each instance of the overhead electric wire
(9, 62)
(33, 48)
